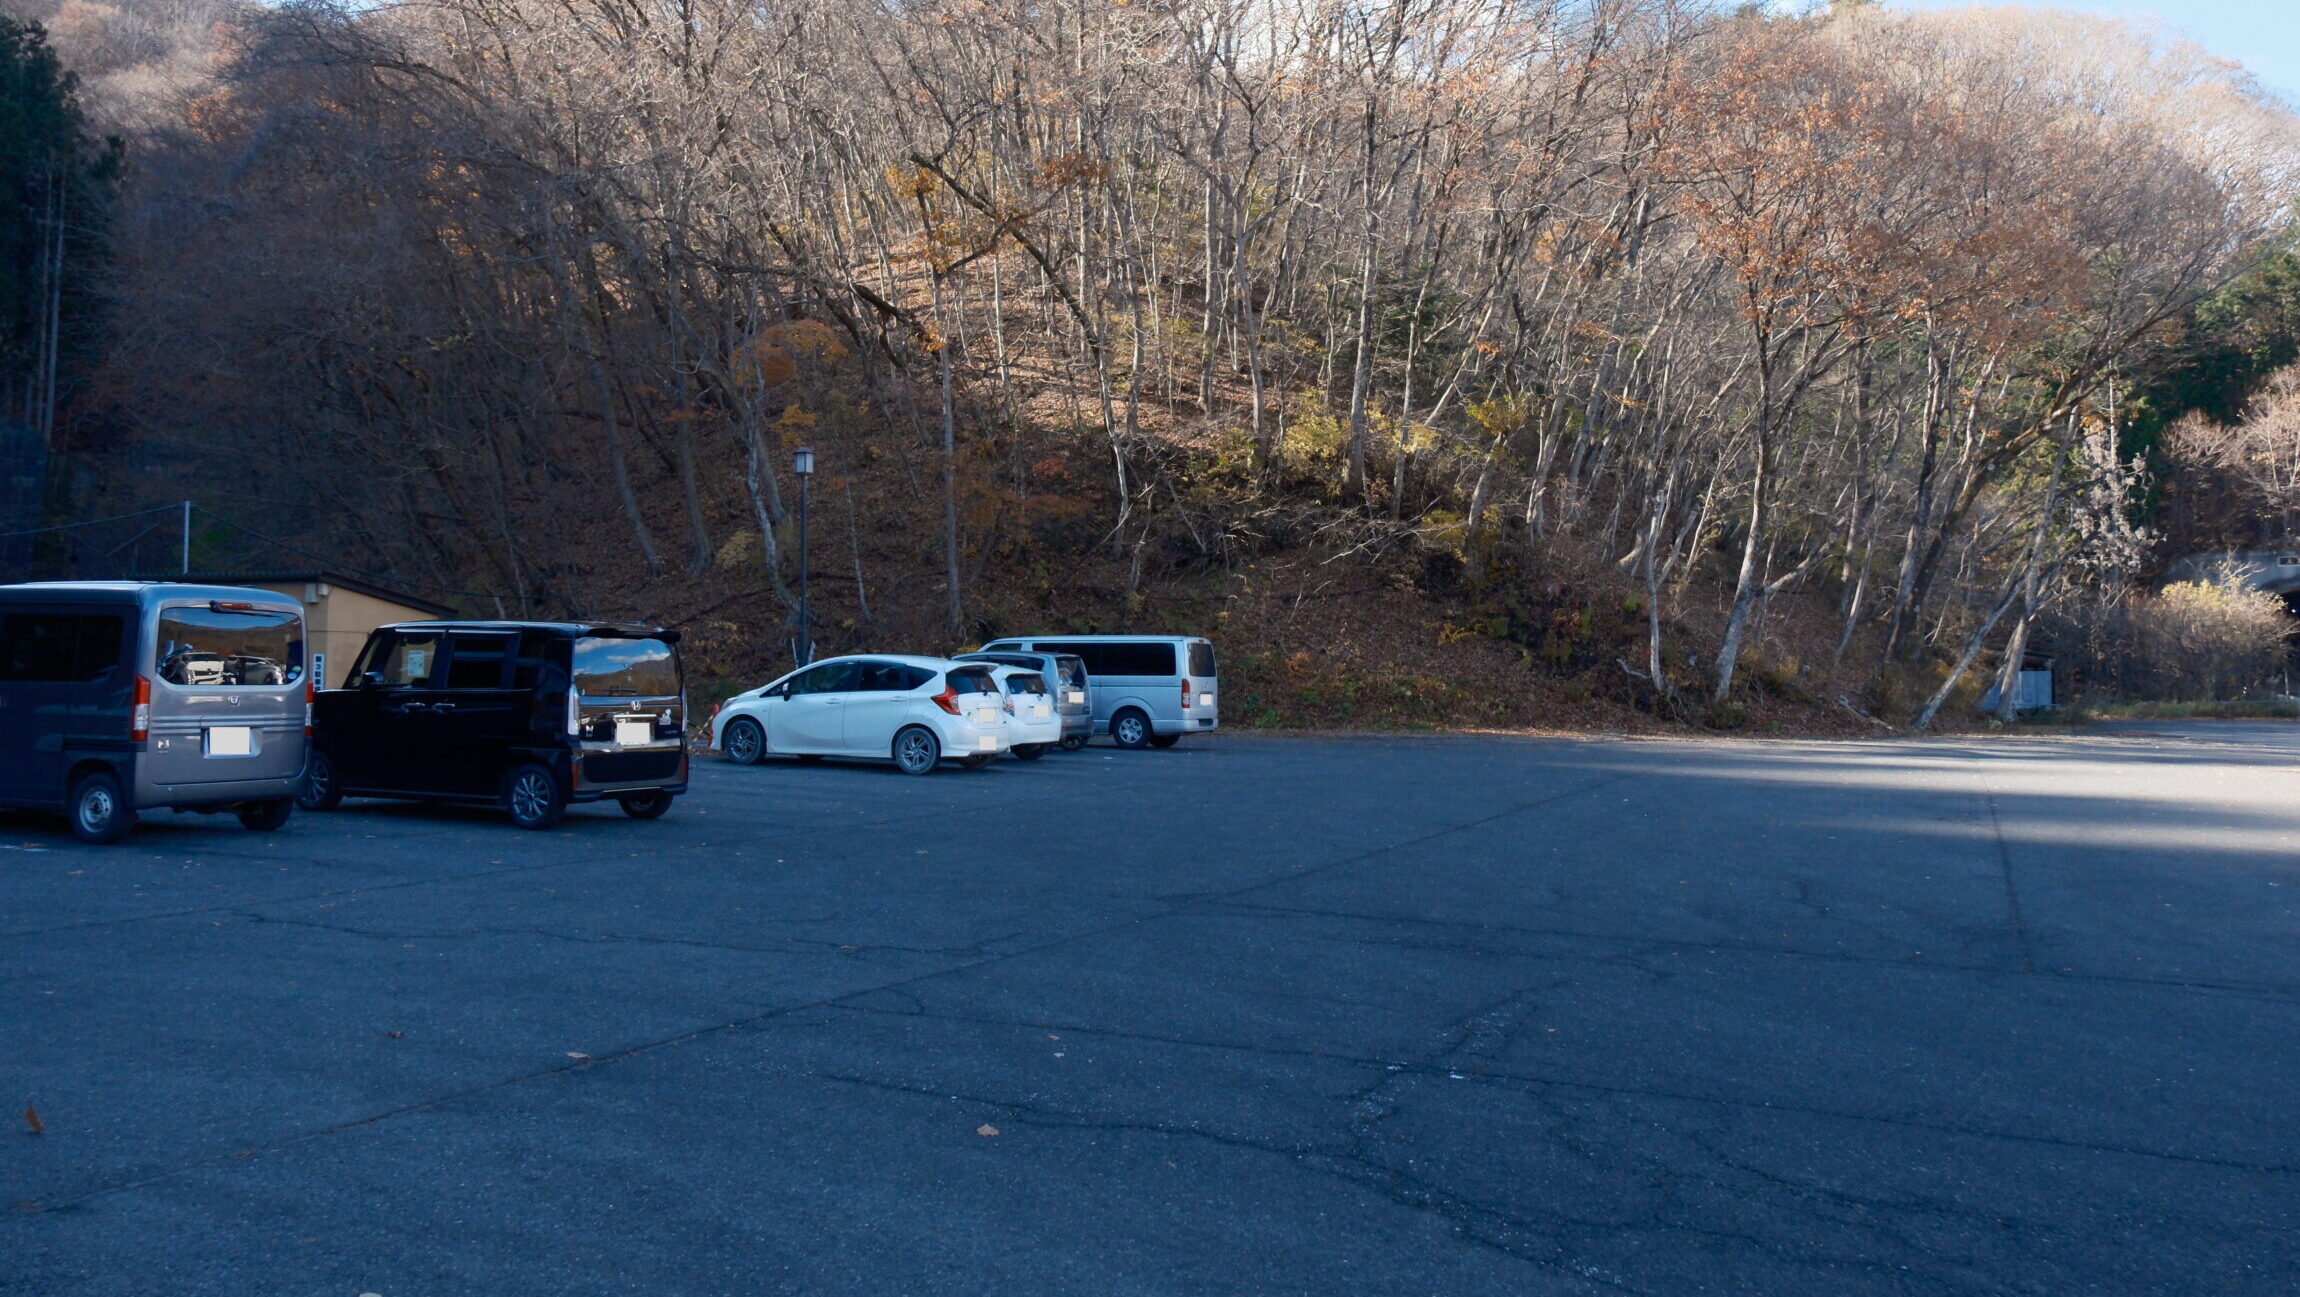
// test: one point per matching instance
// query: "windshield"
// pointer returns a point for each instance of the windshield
(626, 668)
(213, 647)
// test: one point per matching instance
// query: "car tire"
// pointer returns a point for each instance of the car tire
(1164, 740)
(916, 750)
(322, 790)
(1028, 751)
(652, 805)
(976, 761)
(533, 798)
(99, 810)
(744, 741)
(267, 816)
(1073, 742)
(1130, 729)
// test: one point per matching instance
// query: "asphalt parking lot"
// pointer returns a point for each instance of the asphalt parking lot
(1445, 1015)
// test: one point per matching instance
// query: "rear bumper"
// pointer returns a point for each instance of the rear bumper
(222, 793)
(612, 773)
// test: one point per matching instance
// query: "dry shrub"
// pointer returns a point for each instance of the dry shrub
(2191, 641)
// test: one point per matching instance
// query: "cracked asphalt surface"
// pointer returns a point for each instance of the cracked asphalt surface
(1442, 1015)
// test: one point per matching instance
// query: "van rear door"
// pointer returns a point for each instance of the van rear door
(227, 695)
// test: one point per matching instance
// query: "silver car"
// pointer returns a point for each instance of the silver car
(1073, 688)
(1148, 690)
(128, 696)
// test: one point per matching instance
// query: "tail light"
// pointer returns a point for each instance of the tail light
(307, 706)
(140, 721)
(574, 713)
(1009, 705)
(948, 698)
(1185, 695)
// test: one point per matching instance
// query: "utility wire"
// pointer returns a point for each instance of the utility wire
(91, 522)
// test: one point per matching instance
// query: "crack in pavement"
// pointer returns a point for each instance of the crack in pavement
(83, 1196)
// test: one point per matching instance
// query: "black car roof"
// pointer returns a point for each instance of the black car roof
(570, 629)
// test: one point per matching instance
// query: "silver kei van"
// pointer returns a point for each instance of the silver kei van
(125, 696)
(1148, 690)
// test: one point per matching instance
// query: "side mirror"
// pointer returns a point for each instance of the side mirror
(371, 679)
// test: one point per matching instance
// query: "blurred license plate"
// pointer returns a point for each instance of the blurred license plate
(986, 716)
(1040, 712)
(230, 741)
(630, 732)
(1077, 696)
(988, 743)
(1205, 700)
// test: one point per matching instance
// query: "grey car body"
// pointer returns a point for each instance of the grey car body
(1068, 675)
(1147, 689)
(189, 697)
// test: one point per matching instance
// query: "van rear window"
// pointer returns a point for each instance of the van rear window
(216, 646)
(1201, 659)
(626, 668)
(1026, 682)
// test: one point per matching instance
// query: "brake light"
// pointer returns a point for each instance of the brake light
(307, 706)
(1009, 705)
(1185, 695)
(140, 721)
(574, 713)
(948, 698)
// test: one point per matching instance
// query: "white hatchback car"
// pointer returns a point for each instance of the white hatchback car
(1033, 722)
(913, 711)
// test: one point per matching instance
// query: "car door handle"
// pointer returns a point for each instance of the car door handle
(442, 707)
(409, 709)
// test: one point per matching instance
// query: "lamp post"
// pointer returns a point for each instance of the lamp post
(803, 464)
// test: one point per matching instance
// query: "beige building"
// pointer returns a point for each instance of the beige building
(338, 612)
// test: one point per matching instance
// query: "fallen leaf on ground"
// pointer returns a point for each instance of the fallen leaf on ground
(396, 1035)
(32, 1119)
(986, 1130)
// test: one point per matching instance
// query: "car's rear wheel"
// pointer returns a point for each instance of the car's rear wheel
(533, 798)
(100, 812)
(646, 806)
(1130, 729)
(1029, 751)
(743, 741)
(1073, 742)
(976, 761)
(1164, 740)
(917, 750)
(264, 817)
(322, 790)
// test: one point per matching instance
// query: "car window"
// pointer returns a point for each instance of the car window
(616, 667)
(58, 647)
(410, 660)
(1126, 658)
(1071, 670)
(225, 644)
(889, 677)
(973, 680)
(829, 678)
(1026, 682)
(1201, 658)
(476, 660)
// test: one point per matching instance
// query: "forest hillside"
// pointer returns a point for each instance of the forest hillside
(1464, 362)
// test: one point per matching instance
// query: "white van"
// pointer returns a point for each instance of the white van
(1149, 690)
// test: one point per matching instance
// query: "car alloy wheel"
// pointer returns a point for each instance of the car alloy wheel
(743, 742)
(321, 790)
(916, 751)
(532, 797)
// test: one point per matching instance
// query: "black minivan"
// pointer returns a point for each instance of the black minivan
(528, 716)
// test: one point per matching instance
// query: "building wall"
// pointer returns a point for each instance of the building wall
(336, 621)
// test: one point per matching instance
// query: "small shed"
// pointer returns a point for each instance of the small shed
(338, 612)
